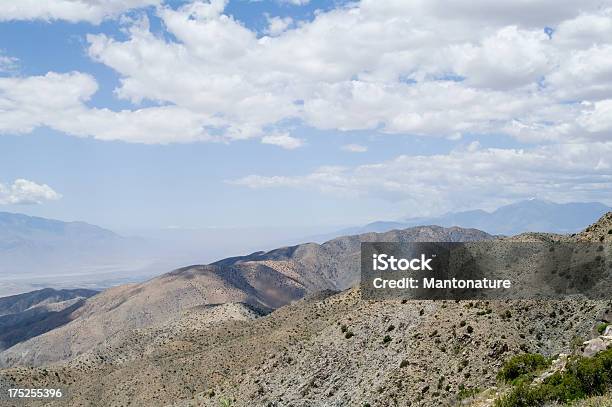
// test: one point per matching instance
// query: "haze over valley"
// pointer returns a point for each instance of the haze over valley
(43, 253)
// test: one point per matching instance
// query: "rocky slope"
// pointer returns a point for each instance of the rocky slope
(328, 349)
(263, 280)
(28, 315)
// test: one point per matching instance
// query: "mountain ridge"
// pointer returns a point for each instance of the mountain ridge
(265, 281)
(533, 215)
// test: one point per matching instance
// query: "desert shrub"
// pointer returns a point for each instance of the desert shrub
(349, 334)
(583, 377)
(225, 402)
(520, 365)
(467, 393)
(386, 339)
(521, 396)
(470, 329)
(601, 328)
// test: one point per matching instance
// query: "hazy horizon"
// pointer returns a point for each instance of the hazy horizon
(227, 114)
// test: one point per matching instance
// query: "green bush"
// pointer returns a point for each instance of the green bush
(225, 402)
(467, 393)
(583, 377)
(521, 365)
(601, 328)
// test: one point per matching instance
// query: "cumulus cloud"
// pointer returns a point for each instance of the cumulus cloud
(402, 67)
(278, 25)
(283, 140)
(422, 68)
(59, 101)
(466, 177)
(23, 192)
(355, 148)
(93, 11)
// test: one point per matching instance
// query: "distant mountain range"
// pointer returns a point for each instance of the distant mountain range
(38, 252)
(531, 215)
(31, 245)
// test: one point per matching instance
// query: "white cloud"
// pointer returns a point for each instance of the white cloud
(508, 59)
(527, 13)
(355, 148)
(278, 25)
(283, 140)
(23, 191)
(295, 2)
(59, 101)
(585, 74)
(7, 63)
(93, 11)
(424, 68)
(467, 177)
(405, 67)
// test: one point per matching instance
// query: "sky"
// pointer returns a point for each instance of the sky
(195, 114)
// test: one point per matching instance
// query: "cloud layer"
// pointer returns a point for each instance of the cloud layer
(537, 71)
(93, 11)
(466, 177)
(23, 192)
(400, 68)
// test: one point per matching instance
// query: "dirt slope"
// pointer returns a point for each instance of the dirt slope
(264, 281)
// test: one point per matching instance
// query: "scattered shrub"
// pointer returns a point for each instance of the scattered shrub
(601, 328)
(467, 393)
(386, 339)
(583, 377)
(225, 402)
(521, 365)
(349, 334)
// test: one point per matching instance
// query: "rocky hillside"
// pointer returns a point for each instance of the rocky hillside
(263, 281)
(328, 349)
(600, 231)
(28, 315)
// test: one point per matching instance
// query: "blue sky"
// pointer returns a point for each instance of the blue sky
(270, 113)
